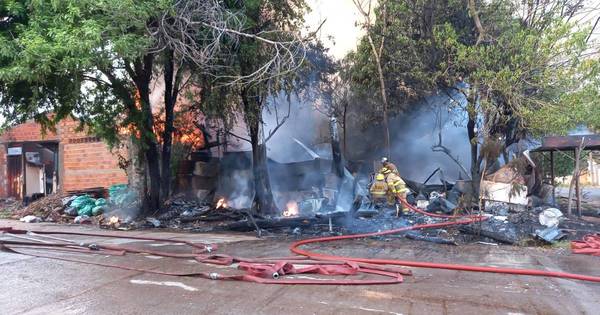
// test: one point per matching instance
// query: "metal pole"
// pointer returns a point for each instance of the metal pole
(552, 179)
(577, 184)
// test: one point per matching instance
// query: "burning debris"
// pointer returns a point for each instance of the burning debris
(221, 203)
(113, 221)
(291, 209)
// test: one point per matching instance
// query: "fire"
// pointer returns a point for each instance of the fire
(291, 209)
(222, 203)
(114, 220)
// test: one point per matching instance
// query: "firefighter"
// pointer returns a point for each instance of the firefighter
(388, 167)
(398, 191)
(379, 190)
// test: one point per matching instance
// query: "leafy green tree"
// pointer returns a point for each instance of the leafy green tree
(95, 61)
(84, 59)
(520, 68)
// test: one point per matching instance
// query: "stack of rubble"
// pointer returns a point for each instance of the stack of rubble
(181, 211)
(49, 208)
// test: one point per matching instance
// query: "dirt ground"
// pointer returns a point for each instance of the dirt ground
(31, 285)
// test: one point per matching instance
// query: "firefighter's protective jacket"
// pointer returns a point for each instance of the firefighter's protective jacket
(395, 184)
(379, 189)
(389, 168)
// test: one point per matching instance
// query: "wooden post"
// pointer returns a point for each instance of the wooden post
(592, 169)
(570, 200)
(577, 181)
(552, 178)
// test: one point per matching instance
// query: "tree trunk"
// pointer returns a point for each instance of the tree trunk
(345, 133)
(474, 148)
(386, 128)
(152, 158)
(263, 195)
(149, 145)
(170, 98)
(338, 163)
(473, 141)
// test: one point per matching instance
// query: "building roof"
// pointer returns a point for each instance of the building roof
(569, 143)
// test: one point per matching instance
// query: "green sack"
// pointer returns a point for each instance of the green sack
(81, 201)
(86, 210)
(97, 210)
(100, 202)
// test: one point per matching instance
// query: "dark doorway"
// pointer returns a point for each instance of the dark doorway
(32, 169)
(15, 176)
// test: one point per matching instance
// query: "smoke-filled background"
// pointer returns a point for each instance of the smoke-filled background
(412, 136)
(304, 140)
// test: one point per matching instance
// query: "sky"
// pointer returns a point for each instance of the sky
(340, 33)
(340, 18)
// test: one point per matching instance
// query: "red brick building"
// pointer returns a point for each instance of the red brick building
(34, 163)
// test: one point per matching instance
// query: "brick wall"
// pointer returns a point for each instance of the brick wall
(3, 172)
(85, 161)
(29, 131)
(88, 165)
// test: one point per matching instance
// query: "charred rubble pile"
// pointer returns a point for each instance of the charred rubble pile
(315, 198)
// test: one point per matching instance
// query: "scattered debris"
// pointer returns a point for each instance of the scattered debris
(550, 234)
(550, 217)
(9, 207)
(438, 203)
(82, 219)
(156, 223)
(487, 243)
(43, 207)
(416, 235)
(30, 219)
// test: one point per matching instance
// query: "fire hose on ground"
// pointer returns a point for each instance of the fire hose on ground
(273, 270)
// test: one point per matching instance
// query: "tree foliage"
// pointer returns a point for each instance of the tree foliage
(521, 68)
(281, 21)
(95, 61)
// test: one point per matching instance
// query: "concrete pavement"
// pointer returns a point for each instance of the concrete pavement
(43, 286)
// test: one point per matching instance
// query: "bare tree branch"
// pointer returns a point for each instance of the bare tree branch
(238, 137)
(475, 15)
(197, 30)
(278, 122)
(441, 148)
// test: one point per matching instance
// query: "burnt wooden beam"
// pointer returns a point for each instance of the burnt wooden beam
(247, 226)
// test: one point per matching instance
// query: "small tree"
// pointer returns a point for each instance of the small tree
(261, 68)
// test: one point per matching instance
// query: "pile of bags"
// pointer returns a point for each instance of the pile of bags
(88, 206)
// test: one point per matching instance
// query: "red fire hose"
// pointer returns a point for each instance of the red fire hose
(529, 272)
(589, 245)
(270, 270)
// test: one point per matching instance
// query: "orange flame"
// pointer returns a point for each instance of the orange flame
(292, 209)
(114, 220)
(222, 203)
